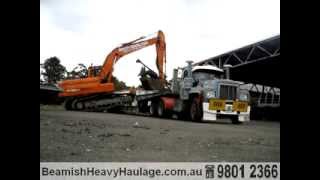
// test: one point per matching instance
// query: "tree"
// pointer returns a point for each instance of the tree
(119, 85)
(53, 70)
(41, 71)
(80, 71)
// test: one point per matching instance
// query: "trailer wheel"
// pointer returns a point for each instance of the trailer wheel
(195, 113)
(153, 108)
(143, 106)
(160, 109)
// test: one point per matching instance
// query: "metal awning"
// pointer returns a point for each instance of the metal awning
(258, 63)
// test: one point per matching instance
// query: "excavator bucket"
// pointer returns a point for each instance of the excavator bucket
(151, 84)
(149, 79)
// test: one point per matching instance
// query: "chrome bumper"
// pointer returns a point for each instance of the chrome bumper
(211, 115)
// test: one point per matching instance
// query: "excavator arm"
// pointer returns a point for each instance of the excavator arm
(103, 82)
(127, 48)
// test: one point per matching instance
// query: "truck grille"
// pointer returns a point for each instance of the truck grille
(228, 92)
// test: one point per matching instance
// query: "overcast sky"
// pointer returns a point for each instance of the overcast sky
(85, 31)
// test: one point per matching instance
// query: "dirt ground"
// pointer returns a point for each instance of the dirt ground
(69, 136)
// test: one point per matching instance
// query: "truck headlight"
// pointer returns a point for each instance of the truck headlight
(211, 94)
(243, 97)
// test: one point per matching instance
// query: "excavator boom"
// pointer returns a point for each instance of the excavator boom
(103, 82)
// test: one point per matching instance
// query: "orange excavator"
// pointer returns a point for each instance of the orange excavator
(96, 91)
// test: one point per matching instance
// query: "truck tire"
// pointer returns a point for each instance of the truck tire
(143, 106)
(153, 109)
(160, 109)
(195, 113)
(184, 116)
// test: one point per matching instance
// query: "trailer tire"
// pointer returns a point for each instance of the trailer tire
(153, 108)
(143, 106)
(160, 109)
(195, 113)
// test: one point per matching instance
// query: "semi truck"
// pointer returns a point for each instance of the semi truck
(196, 93)
(201, 93)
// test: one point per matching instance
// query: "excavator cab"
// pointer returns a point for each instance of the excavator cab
(94, 71)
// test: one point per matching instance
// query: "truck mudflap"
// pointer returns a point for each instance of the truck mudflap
(211, 115)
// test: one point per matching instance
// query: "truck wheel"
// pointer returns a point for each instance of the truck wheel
(153, 109)
(195, 113)
(160, 109)
(143, 106)
(235, 120)
(182, 116)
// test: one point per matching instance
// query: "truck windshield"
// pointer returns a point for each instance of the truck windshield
(206, 75)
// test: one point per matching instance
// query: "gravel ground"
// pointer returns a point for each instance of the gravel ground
(69, 136)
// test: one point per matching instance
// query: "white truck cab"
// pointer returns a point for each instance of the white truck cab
(221, 97)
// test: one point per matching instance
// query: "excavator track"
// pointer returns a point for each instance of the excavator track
(97, 103)
(119, 102)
